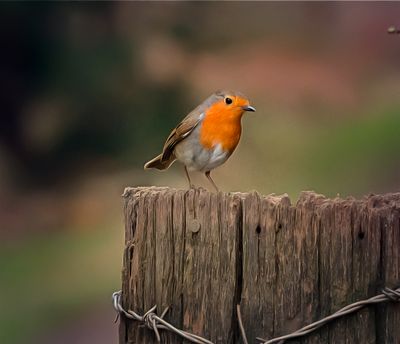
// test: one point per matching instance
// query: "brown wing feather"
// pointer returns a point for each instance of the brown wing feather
(180, 132)
(187, 126)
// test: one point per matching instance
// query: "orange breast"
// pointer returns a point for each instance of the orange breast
(221, 126)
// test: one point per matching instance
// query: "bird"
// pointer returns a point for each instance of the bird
(206, 137)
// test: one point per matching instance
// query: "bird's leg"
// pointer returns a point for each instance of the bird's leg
(210, 179)
(191, 186)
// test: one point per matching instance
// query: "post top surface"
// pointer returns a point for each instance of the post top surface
(372, 200)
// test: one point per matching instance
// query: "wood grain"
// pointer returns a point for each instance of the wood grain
(287, 265)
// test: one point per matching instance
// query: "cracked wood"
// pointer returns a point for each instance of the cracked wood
(287, 265)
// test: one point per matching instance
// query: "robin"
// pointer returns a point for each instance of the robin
(207, 136)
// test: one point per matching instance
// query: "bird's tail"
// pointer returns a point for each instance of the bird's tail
(158, 163)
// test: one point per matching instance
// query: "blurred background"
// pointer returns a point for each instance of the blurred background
(90, 91)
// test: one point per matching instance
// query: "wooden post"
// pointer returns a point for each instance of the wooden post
(201, 253)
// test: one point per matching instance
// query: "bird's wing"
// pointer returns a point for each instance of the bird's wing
(188, 124)
(181, 131)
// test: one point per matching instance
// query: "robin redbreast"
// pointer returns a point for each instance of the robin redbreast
(207, 136)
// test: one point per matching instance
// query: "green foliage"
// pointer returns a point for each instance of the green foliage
(47, 279)
(360, 152)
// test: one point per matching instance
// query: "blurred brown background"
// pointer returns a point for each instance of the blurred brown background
(90, 91)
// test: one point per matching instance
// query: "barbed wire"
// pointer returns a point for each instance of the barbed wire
(387, 295)
(242, 331)
(154, 322)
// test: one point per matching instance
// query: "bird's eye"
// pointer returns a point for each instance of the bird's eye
(228, 100)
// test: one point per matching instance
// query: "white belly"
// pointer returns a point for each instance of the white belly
(196, 158)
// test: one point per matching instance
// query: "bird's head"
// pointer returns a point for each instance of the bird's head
(230, 103)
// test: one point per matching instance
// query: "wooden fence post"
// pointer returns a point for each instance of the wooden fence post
(201, 253)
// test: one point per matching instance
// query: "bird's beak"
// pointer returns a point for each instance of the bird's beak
(249, 108)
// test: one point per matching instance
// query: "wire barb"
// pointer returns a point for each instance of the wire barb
(154, 322)
(387, 295)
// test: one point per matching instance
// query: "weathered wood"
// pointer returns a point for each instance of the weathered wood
(287, 265)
